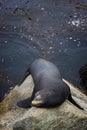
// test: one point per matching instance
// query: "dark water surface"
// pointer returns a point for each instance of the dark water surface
(55, 30)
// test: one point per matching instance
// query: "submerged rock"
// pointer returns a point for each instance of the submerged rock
(65, 117)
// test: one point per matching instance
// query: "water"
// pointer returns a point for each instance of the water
(15, 56)
(32, 29)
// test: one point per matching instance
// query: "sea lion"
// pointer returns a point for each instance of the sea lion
(83, 75)
(49, 89)
(83, 78)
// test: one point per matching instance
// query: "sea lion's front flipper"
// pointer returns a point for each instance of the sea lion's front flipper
(24, 103)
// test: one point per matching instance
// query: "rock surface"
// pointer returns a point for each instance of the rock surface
(64, 117)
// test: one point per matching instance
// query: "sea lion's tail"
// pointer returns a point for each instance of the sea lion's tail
(74, 102)
(24, 77)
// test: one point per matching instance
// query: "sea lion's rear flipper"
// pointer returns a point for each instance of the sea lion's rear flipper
(74, 102)
(24, 103)
(24, 77)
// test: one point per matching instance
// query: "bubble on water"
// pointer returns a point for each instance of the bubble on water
(15, 27)
(73, 10)
(42, 48)
(31, 38)
(60, 43)
(2, 60)
(5, 41)
(3, 27)
(42, 9)
(76, 22)
(70, 38)
(78, 45)
(75, 16)
(74, 40)
(48, 52)
(11, 88)
(75, 13)
(34, 47)
(69, 22)
(50, 47)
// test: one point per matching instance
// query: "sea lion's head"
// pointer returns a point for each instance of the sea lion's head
(44, 98)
